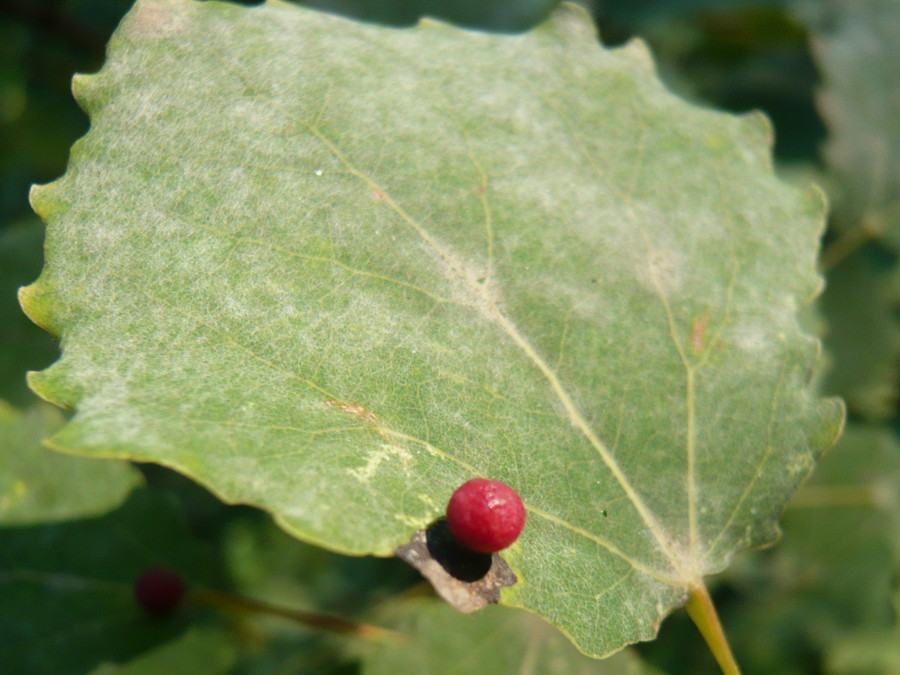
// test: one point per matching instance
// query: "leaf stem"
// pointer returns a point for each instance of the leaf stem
(703, 613)
(228, 602)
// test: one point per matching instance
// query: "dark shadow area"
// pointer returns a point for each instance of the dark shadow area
(504, 16)
(459, 562)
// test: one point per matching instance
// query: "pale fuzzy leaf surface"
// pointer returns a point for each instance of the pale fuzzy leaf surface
(334, 270)
(494, 641)
(38, 485)
(857, 45)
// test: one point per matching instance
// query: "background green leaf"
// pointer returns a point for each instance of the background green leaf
(66, 598)
(831, 581)
(866, 651)
(265, 563)
(23, 346)
(493, 640)
(334, 270)
(857, 47)
(38, 485)
(199, 650)
(860, 307)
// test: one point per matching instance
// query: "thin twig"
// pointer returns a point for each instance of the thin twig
(848, 243)
(229, 602)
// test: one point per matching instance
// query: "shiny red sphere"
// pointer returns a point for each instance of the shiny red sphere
(485, 515)
(159, 590)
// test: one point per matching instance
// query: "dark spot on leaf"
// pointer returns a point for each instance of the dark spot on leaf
(697, 331)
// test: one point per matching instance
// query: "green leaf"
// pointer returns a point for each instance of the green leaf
(494, 640)
(265, 563)
(856, 47)
(842, 535)
(829, 583)
(863, 335)
(334, 270)
(38, 485)
(66, 598)
(200, 650)
(866, 652)
(22, 344)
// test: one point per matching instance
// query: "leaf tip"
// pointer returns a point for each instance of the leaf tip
(833, 419)
(43, 200)
(84, 89)
(33, 299)
(42, 383)
(571, 20)
(638, 52)
(756, 122)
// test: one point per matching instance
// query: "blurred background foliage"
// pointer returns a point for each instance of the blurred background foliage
(826, 599)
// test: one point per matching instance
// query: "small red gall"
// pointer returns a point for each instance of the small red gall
(485, 515)
(159, 590)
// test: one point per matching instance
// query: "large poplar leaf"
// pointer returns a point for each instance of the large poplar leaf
(333, 270)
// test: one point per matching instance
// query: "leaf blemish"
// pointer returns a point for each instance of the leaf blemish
(698, 330)
(472, 286)
(662, 271)
(354, 409)
(362, 413)
(378, 457)
(665, 269)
